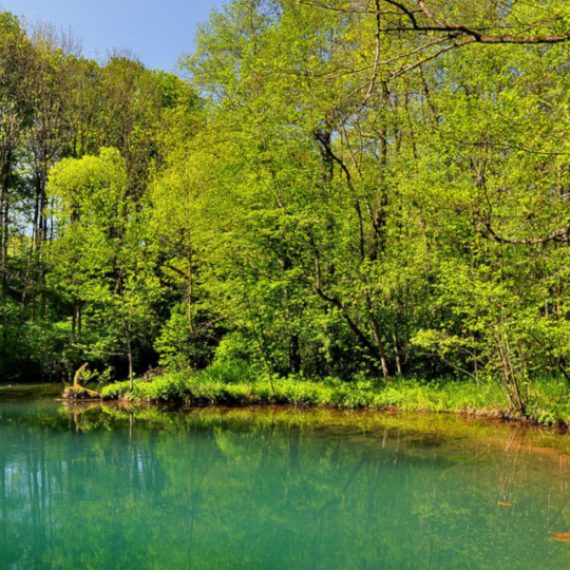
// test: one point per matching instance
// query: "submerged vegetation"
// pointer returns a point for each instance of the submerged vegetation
(219, 488)
(356, 193)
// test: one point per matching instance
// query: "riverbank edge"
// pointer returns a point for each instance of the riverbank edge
(548, 406)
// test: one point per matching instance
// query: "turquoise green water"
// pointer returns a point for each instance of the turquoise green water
(92, 487)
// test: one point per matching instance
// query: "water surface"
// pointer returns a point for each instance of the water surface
(109, 487)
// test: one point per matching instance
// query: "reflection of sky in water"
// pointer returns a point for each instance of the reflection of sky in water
(209, 489)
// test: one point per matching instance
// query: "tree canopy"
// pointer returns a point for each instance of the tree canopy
(339, 188)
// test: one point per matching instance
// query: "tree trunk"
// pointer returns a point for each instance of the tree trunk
(130, 357)
(397, 354)
(295, 354)
(4, 208)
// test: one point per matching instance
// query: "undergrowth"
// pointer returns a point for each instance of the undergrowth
(549, 400)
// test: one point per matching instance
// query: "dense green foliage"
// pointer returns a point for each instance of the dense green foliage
(549, 403)
(356, 190)
(79, 269)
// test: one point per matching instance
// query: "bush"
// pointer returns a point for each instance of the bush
(115, 391)
(551, 401)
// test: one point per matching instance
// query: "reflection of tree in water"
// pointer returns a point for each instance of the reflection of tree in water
(96, 487)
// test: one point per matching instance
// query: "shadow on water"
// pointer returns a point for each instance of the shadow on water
(27, 392)
(96, 486)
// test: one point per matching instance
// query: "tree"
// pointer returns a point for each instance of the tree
(101, 261)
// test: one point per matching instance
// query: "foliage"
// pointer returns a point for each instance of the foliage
(550, 401)
(359, 190)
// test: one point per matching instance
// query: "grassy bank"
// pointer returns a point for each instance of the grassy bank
(549, 400)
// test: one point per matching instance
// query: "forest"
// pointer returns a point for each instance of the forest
(340, 193)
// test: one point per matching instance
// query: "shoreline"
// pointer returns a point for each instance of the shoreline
(499, 416)
(462, 399)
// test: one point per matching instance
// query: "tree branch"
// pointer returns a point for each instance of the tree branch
(559, 235)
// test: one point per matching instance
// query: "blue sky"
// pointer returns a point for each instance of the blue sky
(156, 31)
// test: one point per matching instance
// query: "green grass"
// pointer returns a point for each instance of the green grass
(549, 400)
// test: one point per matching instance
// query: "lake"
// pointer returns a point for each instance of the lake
(91, 486)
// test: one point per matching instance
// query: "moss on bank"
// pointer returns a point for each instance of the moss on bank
(549, 401)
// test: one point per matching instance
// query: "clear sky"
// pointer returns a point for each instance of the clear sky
(157, 31)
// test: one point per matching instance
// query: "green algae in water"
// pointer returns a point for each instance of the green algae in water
(108, 487)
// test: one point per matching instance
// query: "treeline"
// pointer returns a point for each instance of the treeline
(62, 292)
(354, 189)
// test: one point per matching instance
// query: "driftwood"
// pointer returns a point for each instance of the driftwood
(77, 375)
(78, 392)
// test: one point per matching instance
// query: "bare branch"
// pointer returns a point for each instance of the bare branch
(483, 38)
(407, 68)
(374, 77)
(409, 13)
(559, 235)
